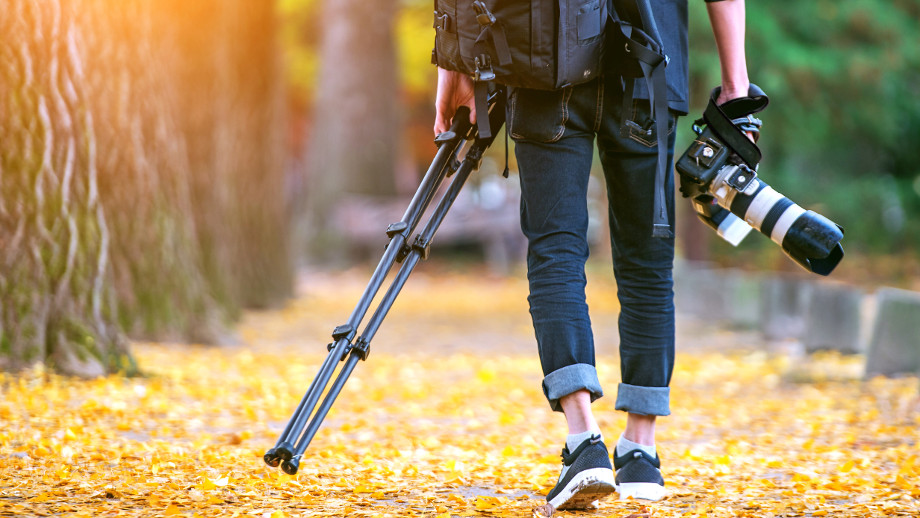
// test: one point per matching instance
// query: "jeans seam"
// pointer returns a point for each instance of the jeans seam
(598, 107)
(510, 120)
(566, 95)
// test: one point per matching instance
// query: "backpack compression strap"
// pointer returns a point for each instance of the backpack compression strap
(491, 37)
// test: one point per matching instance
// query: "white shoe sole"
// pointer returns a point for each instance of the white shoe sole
(641, 491)
(585, 488)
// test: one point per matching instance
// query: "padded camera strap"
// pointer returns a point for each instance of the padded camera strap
(721, 119)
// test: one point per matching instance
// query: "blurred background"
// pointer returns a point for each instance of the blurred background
(166, 164)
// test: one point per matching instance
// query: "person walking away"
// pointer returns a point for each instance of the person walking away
(554, 134)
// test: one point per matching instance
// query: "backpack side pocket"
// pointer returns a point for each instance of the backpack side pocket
(447, 42)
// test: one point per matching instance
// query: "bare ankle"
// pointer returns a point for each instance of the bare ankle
(577, 409)
(640, 429)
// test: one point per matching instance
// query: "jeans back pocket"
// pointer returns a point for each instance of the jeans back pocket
(538, 115)
(641, 126)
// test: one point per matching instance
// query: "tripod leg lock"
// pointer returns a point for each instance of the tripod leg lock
(331, 346)
(396, 228)
(342, 332)
(452, 168)
(403, 253)
(422, 246)
(362, 348)
(346, 331)
(445, 137)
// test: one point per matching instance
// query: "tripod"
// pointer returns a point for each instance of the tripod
(304, 423)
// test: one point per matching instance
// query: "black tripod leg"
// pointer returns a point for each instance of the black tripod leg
(449, 144)
(290, 466)
(400, 232)
(284, 449)
(422, 242)
(419, 251)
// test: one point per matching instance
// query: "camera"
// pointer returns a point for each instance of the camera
(718, 172)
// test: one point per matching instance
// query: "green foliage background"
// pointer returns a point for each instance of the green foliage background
(841, 135)
(842, 132)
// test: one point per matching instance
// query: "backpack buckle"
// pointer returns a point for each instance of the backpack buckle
(484, 70)
(483, 15)
(442, 21)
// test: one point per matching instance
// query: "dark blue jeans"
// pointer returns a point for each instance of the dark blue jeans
(554, 133)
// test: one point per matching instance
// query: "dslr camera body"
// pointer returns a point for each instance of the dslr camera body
(718, 172)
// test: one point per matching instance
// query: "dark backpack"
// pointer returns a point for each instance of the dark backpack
(521, 43)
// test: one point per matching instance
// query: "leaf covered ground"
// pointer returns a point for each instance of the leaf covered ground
(447, 419)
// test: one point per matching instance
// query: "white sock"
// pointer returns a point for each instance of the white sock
(625, 446)
(573, 440)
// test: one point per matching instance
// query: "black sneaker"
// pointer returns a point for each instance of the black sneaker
(639, 476)
(586, 476)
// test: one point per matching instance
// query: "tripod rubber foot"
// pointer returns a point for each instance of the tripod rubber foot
(280, 453)
(272, 458)
(290, 466)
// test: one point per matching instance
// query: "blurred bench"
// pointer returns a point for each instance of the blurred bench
(485, 216)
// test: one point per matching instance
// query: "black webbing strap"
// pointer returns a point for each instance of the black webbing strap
(645, 48)
(657, 86)
(491, 41)
(481, 99)
(721, 119)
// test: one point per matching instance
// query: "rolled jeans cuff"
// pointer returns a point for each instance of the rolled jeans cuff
(569, 379)
(644, 400)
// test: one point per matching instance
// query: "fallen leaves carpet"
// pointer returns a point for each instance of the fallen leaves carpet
(447, 419)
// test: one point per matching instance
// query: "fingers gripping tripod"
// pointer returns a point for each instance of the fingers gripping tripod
(301, 429)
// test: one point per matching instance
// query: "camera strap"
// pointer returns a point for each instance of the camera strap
(721, 120)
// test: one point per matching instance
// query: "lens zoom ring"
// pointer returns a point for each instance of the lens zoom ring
(742, 202)
(773, 216)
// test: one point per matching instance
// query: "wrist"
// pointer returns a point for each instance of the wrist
(731, 91)
(736, 87)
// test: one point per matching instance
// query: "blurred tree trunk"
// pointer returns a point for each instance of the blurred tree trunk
(141, 175)
(264, 271)
(158, 264)
(234, 124)
(55, 303)
(357, 119)
(195, 165)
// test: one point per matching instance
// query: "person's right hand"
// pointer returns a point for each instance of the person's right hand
(455, 89)
(727, 94)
